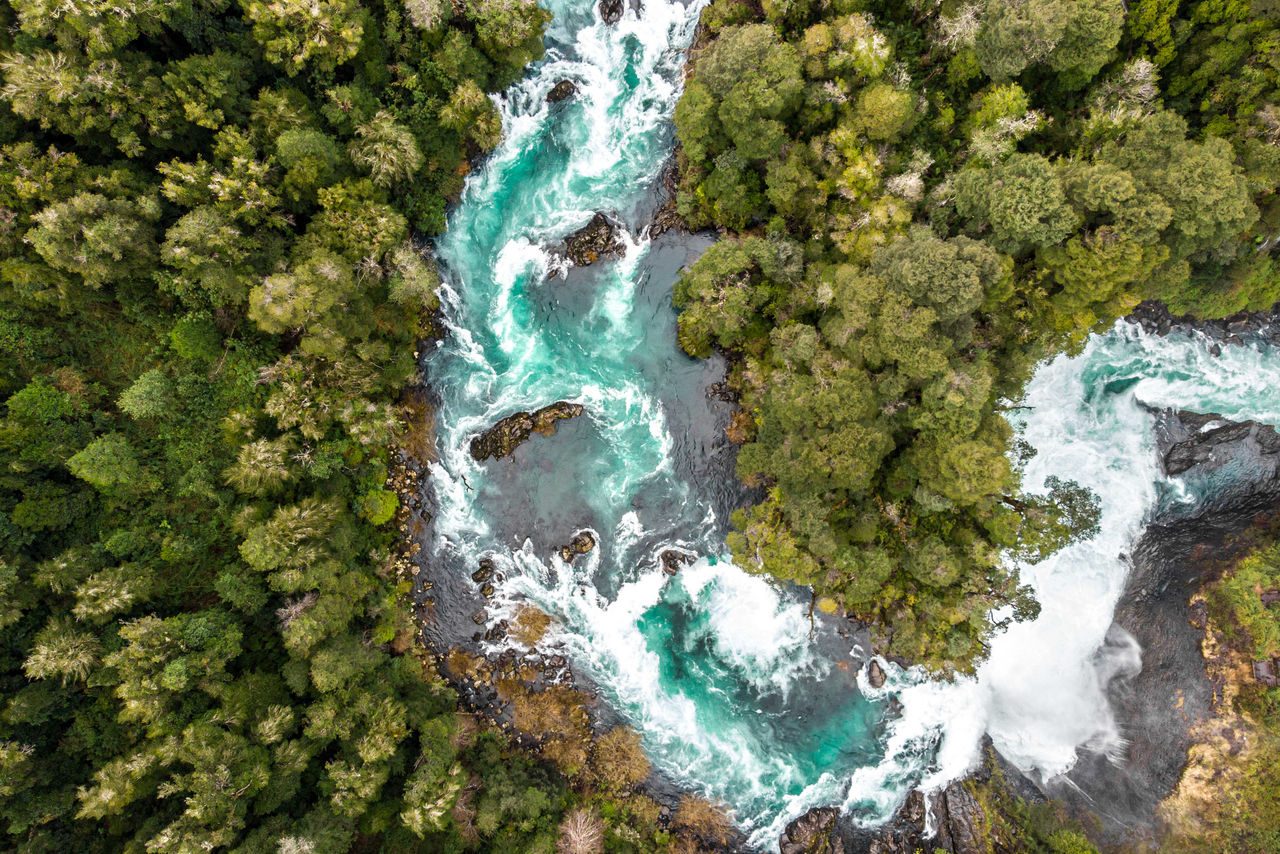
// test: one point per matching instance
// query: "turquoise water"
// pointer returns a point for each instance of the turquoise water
(736, 691)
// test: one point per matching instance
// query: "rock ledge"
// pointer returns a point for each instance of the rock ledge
(509, 433)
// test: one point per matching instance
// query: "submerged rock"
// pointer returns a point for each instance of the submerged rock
(505, 436)
(611, 10)
(595, 240)
(581, 543)
(562, 91)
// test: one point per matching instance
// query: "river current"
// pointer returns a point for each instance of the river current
(737, 692)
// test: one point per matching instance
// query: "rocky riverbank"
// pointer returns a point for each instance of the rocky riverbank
(1237, 329)
(1165, 702)
(504, 437)
(1162, 705)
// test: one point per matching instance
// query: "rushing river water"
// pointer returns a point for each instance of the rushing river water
(737, 693)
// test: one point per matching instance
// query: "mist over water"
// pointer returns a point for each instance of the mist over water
(736, 691)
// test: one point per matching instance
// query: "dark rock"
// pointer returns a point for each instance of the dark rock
(1207, 441)
(875, 674)
(666, 218)
(611, 10)
(581, 543)
(1198, 615)
(479, 618)
(914, 810)
(497, 633)
(505, 436)
(815, 832)
(1201, 449)
(487, 591)
(673, 559)
(561, 91)
(1156, 319)
(485, 572)
(1264, 673)
(961, 821)
(595, 240)
(722, 392)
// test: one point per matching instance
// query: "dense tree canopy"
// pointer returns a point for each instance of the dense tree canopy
(930, 198)
(210, 295)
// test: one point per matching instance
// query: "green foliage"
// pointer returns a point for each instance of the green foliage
(210, 304)
(1075, 40)
(925, 207)
(1239, 814)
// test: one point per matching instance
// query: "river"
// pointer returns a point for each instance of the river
(737, 693)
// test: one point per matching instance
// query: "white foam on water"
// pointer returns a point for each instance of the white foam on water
(764, 637)
(1041, 695)
(604, 637)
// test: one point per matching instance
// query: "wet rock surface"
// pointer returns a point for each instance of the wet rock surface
(959, 820)
(666, 217)
(875, 674)
(815, 832)
(673, 559)
(611, 10)
(597, 239)
(509, 433)
(582, 543)
(562, 91)
(1208, 442)
(1158, 706)
(1156, 319)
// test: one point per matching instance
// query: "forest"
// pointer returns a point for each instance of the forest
(924, 200)
(213, 285)
(214, 279)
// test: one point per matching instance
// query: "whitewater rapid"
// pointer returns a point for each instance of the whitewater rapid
(737, 693)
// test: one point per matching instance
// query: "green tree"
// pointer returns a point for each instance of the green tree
(297, 34)
(1021, 200)
(386, 150)
(110, 465)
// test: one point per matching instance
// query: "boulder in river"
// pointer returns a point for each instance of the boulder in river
(485, 571)
(581, 543)
(595, 240)
(563, 90)
(673, 559)
(505, 436)
(611, 10)
(875, 674)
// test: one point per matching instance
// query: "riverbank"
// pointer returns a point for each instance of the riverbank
(1170, 701)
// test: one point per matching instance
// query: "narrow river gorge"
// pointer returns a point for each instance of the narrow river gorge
(737, 691)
